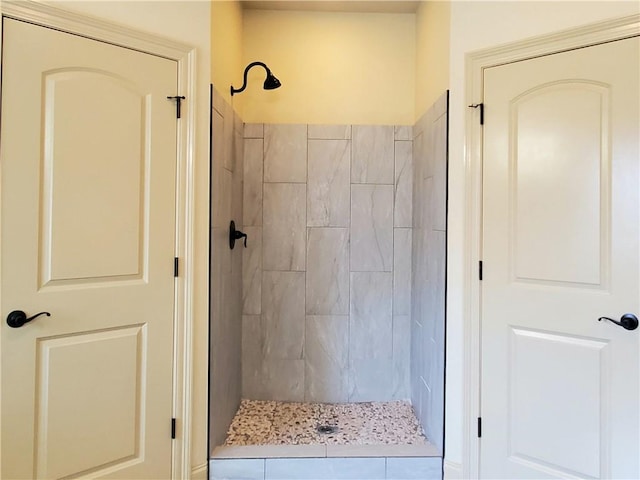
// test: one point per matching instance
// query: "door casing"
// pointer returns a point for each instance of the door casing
(475, 64)
(184, 55)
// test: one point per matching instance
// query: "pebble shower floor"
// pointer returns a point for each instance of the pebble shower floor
(285, 423)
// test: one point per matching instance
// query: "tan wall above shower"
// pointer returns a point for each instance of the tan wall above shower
(433, 20)
(226, 48)
(335, 68)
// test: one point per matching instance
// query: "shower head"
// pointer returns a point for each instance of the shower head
(270, 83)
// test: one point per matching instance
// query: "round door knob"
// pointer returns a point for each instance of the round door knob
(18, 318)
(628, 321)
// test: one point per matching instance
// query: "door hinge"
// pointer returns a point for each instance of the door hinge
(176, 266)
(173, 428)
(480, 269)
(481, 107)
(479, 427)
(178, 99)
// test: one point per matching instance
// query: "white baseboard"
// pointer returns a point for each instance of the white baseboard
(199, 472)
(452, 471)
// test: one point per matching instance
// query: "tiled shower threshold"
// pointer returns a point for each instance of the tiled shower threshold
(326, 462)
(325, 451)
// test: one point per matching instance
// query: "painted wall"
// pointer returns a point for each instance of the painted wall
(432, 53)
(335, 68)
(187, 22)
(476, 25)
(226, 48)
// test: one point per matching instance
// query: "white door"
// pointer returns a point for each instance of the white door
(560, 249)
(88, 157)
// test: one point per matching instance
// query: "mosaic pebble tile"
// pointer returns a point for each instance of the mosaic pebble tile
(290, 423)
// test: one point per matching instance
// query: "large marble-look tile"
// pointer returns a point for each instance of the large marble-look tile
(326, 359)
(285, 226)
(327, 290)
(433, 319)
(425, 468)
(417, 360)
(283, 314)
(237, 198)
(285, 153)
(436, 277)
(221, 180)
(218, 138)
(253, 130)
(225, 358)
(218, 101)
(435, 415)
(252, 272)
(271, 451)
(267, 378)
(371, 228)
(370, 379)
(372, 160)
(416, 393)
(252, 189)
(278, 379)
(402, 271)
(404, 184)
(252, 357)
(401, 356)
(330, 132)
(222, 194)
(229, 157)
(237, 469)
(328, 185)
(371, 318)
(325, 469)
(439, 161)
(403, 132)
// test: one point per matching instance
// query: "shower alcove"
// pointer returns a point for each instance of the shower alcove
(328, 329)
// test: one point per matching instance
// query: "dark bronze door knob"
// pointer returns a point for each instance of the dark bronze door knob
(18, 318)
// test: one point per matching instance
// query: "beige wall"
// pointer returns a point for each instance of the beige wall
(226, 48)
(476, 25)
(187, 22)
(336, 68)
(432, 53)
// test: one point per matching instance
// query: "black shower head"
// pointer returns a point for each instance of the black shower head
(270, 83)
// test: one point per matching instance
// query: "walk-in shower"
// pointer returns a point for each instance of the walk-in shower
(327, 331)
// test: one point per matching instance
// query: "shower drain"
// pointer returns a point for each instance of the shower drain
(326, 429)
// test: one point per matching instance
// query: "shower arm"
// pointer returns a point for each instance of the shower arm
(246, 73)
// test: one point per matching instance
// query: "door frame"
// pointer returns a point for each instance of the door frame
(475, 64)
(183, 314)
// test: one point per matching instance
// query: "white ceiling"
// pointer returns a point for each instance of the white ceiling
(375, 6)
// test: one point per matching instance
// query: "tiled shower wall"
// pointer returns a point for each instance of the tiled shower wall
(226, 268)
(327, 272)
(429, 264)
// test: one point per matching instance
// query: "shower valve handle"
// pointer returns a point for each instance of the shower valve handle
(236, 235)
